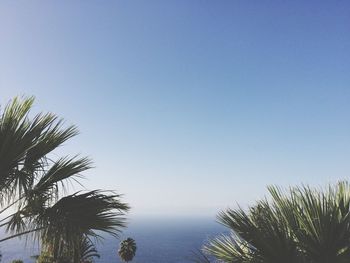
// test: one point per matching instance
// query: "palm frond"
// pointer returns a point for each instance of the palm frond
(230, 248)
(87, 250)
(319, 219)
(24, 145)
(81, 214)
(63, 169)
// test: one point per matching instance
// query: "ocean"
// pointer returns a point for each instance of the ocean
(159, 240)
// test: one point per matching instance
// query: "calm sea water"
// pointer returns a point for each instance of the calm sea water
(158, 241)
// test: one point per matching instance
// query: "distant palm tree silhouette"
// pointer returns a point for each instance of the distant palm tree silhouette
(127, 249)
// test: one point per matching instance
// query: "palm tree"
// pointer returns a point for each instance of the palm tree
(127, 249)
(302, 225)
(34, 183)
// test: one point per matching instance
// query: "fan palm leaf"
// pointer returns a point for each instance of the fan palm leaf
(24, 142)
(320, 221)
(81, 214)
(301, 225)
(259, 235)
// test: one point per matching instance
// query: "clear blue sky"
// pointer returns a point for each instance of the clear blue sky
(188, 107)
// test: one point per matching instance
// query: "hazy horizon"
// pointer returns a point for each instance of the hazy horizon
(188, 107)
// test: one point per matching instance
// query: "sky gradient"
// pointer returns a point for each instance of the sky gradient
(188, 107)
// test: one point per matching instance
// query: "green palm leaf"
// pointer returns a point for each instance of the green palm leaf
(301, 225)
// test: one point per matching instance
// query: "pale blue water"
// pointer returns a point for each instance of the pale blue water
(158, 241)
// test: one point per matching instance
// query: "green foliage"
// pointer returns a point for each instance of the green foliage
(127, 249)
(34, 183)
(17, 261)
(302, 225)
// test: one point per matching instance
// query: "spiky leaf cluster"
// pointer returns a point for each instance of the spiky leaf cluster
(302, 225)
